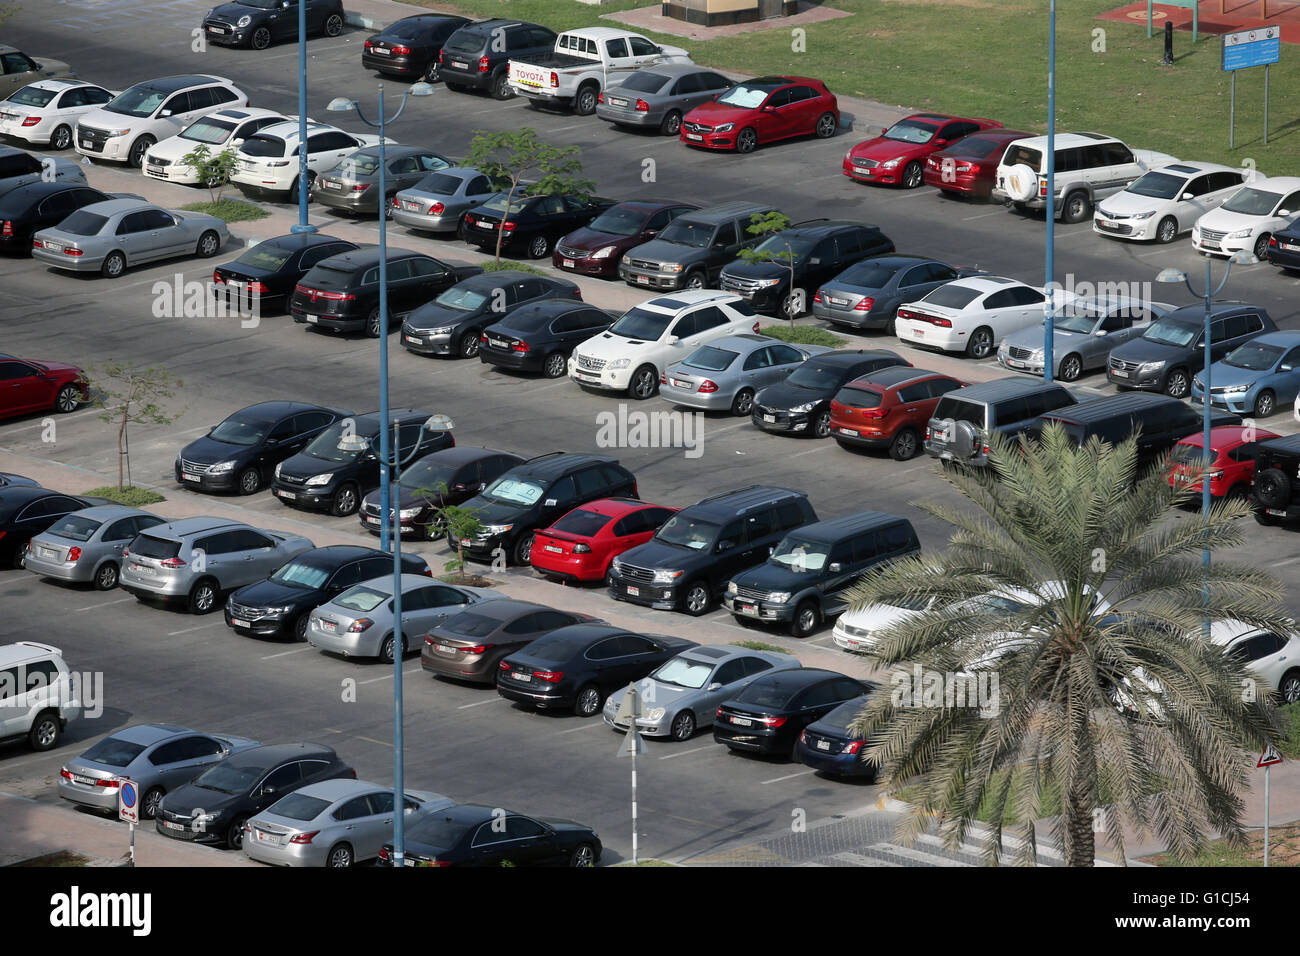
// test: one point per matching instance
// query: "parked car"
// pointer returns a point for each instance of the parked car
(108, 237)
(631, 355)
(972, 314)
(86, 546)
(726, 374)
(1249, 217)
(868, 293)
(464, 470)
(1163, 358)
(194, 561)
(466, 835)
(279, 606)
(581, 545)
(575, 668)
(1083, 335)
(411, 46)
(453, 323)
(325, 477)
(42, 205)
(830, 746)
(360, 623)
(768, 716)
(30, 386)
(268, 164)
(1284, 247)
(28, 510)
(38, 692)
(334, 823)
(1254, 378)
(44, 113)
(690, 559)
(439, 201)
(215, 805)
(258, 23)
(477, 56)
(801, 402)
(157, 758)
(125, 128)
(690, 251)
(540, 336)
(1159, 421)
(267, 273)
(19, 168)
(529, 224)
(9, 480)
(1230, 462)
(1164, 203)
(889, 408)
(968, 167)
(898, 155)
(534, 495)
(223, 130)
(17, 69)
(763, 110)
(1275, 491)
(469, 646)
(858, 630)
(963, 419)
(353, 185)
(805, 580)
(657, 97)
(681, 696)
(341, 293)
(597, 248)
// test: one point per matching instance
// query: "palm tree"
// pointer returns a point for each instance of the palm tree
(1121, 599)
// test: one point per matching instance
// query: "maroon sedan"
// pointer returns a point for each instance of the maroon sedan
(27, 387)
(596, 248)
(968, 166)
(897, 156)
(763, 110)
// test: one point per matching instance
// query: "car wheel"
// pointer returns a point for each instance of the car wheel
(524, 550)
(827, 124)
(588, 701)
(794, 304)
(672, 123)
(584, 854)
(300, 626)
(683, 726)
(114, 265)
(746, 140)
(46, 731)
(905, 445)
(694, 280)
(1167, 231)
(697, 600)
(106, 576)
(805, 619)
(821, 425)
(584, 104)
(1265, 404)
(203, 596)
(334, 25)
(149, 805)
(249, 481)
(980, 345)
(501, 88)
(294, 198)
(469, 344)
(912, 175)
(432, 72)
(261, 39)
(1261, 247)
(235, 835)
(1177, 384)
(645, 382)
(1273, 488)
(61, 138)
(68, 399)
(372, 323)
(743, 403)
(345, 502)
(1071, 368)
(1289, 687)
(389, 646)
(555, 365)
(138, 149)
(538, 247)
(1077, 207)
(340, 857)
(389, 200)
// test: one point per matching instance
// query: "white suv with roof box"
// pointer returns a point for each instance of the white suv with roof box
(38, 694)
(267, 162)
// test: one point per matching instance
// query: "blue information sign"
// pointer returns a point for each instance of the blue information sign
(1248, 48)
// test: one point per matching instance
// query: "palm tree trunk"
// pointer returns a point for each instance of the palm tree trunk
(1079, 798)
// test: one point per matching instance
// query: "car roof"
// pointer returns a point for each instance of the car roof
(462, 455)
(1289, 444)
(797, 678)
(111, 207)
(21, 494)
(1193, 167)
(109, 512)
(1002, 388)
(371, 420)
(268, 754)
(1226, 631)
(338, 788)
(613, 508)
(384, 583)
(333, 554)
(240, 113)
(149, 734)
(847, 357)
(833, 529)
(1285, 337)
(572, 637)
(1196, 313)
(558, 463)
(814, 229)
(893, 375)
(745, 342)
(674, 302)
(722, 212)
(1097, 409)
(741, 500)
(506, 609)
(59, 84)
(1222, 436)
(1066, 140)
(183, 527)
(365, 257)
(985, 283)
(272, 411)
(21, 652)
(1271, 183)
(183, 81)
(288, 130)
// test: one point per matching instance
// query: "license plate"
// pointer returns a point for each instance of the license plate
(742, 721)
(749, 609)
(482, 224)
(88, 781)
(1118, 373)
(288, 494)
(823, 745)
(245, 164)
(1106, 223)
(1012, 363)
(186, 476)
(1290, 247)
(236, 622)
(312, 318)
(643, 280)
(372, 519)
(498, 343)
(331, 184)
(411, 206)
(617, 101)
(173, 826)
(525, 678)
(379, 50)
(327, 625)
(679, 383)
(86, 144)
(1209, 244)
(695, 136)
(634, 591)
(848, 431)
(554, 549)
(47, 552)
(216, 29)
(834, 301)
(151, 168)
(53, 246)
(459, 65)
(1279, 512)
(770, 419)
(412, 339)
(465, 542)
(444, 648)
(567, 263)
(143, 569)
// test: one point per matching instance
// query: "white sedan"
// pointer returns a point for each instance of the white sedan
(224, 129)
(46, 112)
(1165, 202)
(1249, 217)
(973, 314)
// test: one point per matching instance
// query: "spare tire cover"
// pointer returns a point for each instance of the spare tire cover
(1022, 182)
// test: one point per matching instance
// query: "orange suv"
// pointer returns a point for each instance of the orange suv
(888, 408)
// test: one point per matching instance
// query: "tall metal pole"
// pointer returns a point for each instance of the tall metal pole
(303, 224)
(1206, 404)
(1266, 769)
(1048, 360)
(399, 786)
(384, 491)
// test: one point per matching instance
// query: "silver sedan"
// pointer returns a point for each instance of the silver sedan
(87, 545)
(657, 97)
(437, 202)
(1083, 335)
(106, 237)
(724, 375)
(331, 823)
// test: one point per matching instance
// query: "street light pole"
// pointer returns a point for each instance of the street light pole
(1048, 324)
(303, 225)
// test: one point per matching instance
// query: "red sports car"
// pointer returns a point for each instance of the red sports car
(1233, 467)
(968, 166)
(580, 546)
(897, 156)
(763, 110)
(27, 386)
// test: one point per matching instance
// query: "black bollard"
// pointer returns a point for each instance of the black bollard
(1169, 44)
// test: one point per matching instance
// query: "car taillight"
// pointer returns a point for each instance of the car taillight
(865, 305)
(63, 772)
(216, 278)
(581, 549)
(37, 244)
(719, 713)
(1042, 188)
(708, 386)
(367, 44)
(965, 167)
(1272, 240)
(483, 65)
(436, 209)
(351, 773)
(482, 336)
(852, 747)
(172, 562)
(383, 850)
(663, 377)
(110, 783)
(401, 51)
(477, 648)
(519, 347)
(258, 287)
(905, 314)
(74, 555)
(817, 297)
(301, 838)
(359, 625)
(504, 666)
(873, 412)
(771, 721)
(7, 229)
(577, 294)
(320, 294)
(508, 226)
(600, 97)
(555, 79)
(803, 736)
(642, 106)
(551, 677)
(986, 450)
(439, 56)
(126, 553)
(31, 121)
(360, 187)
(73, 252)
(755, 328)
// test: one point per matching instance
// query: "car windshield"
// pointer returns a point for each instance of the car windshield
(867, 275)
(113, 751)
(710, 358)
(471, 624)
(683, 672)
(952, 296)
(76, 527)
(361, 598)
(1191, 455)
(513, 491)
(642, 81)
(782, 247)
(845, 713)
(438, 831)
(618, 222)
(209, 130)
(911, 131)
(236, 431)
(1250, 201)
(497, 203)
(428, 476)
(83, 223)
(798, 553)
(814, 374)
(639, 323)
(582, 522)
(1075, 320)
(1255, 356)
(1158, 185)
(263, 145)
(686, 532)
(976, 147)
(230, 776)
(260, 4)
(1172, 332)
(745, 97)
(766, 694)
(358, 165)
(407, 29)
(960, 410)
(137, 101)
(685, 232)
(299, 574)
(148, 546)
(439, 184)
(461, 299)
(33, 96)
(298, 806)
(266, 256)
(855, 397)
(325, 446)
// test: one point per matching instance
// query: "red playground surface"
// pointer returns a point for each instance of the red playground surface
(1216, 16)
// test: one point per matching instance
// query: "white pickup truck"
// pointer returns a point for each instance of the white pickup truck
(585, 62)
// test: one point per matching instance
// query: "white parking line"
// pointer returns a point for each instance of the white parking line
(683, 753)
(298, 650)
(189, 630)
(389, 676)
(789, 776)
(597, 723)
(480, 703)
(985, 215)
(93, 607)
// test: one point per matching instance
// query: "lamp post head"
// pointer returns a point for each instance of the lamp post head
(353, 443)
(1171, 275)
(439, 423)
(341, 104)
(1244, 258)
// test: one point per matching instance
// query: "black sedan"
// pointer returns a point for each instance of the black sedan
(27, 510)
(267, 273)
(801, 404)
(241, 453)
(464, 471)
(469, 646)
(467, 835)
(577, 667)
(830, 746)
(257, 23)
(341, 293)
(453, 323)
(541, 337)
(1283, 247)
(529, 224)
(768, 716)
(40, 205)
(411, 46)
(280, 605)
(867, 294)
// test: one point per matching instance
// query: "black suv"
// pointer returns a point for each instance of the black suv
(693, 555)
(478, 56)
(1163, 422)
(534, 495)
(325, 477)
(541, 337)
(691, 250)
(1276, 491)
(961, 421)
(279, 606)
(801, 403)
(805, 579)
(341, 293)
(822, 249)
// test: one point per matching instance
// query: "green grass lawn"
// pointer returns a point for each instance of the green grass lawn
(131, 495)
(803, 335)
(986, 58)
(230, 210)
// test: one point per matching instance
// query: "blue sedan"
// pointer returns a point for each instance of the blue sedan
(1256, 377)
(829, 745)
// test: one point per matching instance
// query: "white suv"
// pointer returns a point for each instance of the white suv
(38, 694)
(45, 112)
(224, 129)
(1163, 203)
(1249, 217)
(268, 160)
(633, 354)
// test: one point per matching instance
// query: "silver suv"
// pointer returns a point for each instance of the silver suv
(195, 560)
(38, 694)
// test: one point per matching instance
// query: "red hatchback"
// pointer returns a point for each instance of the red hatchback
(763, 110)
(1233, 467)
(968, 166)
(580, 546)
(897, 156)
(889, 409)
(27, 387)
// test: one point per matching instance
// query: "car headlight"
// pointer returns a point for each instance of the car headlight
(670, 267)
(778, 597)
(319, 479)
(409, 512)
(892, 163)
(1143, 215)
(604, 253)
(277, 163)
(667, 577)
(767, 283)
(1149, 367)
(616, 565)
(497, 528)
(656, 714)
(221, 467)
(724, 128)
(117, 132)
(277, 469)
(1240, 234)
(804, 408)
(848, 157)
(1236, 389)
(619, 363)
(445, 330)
(731, 588)
(244, 21)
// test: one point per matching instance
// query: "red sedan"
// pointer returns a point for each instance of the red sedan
(1233, 468)
(27, 386)
(763, 110)
(897, 156)
(968, 166)
(580, 546)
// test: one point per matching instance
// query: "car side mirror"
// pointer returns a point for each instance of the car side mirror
(1284, 212)
(1099, 332)
(672, 340)
(237, 142)
(271, 441)
(815, 261)
(1286, 368)
(1187, 196)
(716, 685)
(1200, 345)
(836, 566)
(551, 502)
(725, 546)
(769, 109)
(652, 232)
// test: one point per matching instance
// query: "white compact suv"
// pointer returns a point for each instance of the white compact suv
(633, 354)
(268, 160)
(224, 129)
(46, 112)
(1249, 217)
(38, 694)
(1163, 203)
(972, 315)
(124, 128)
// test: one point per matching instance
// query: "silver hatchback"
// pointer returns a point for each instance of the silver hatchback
(87, 545)
(724, 375)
